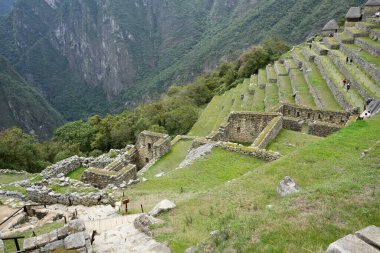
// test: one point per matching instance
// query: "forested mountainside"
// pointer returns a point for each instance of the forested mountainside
(94, 56)
(23, 106)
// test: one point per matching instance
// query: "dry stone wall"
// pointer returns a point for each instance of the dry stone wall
(269, 133)
(73, 237)
(245, 126)
(367, 67)
(322, 129)
(101, 178)
(310, 115)
(65, 166)
(46, 196)
(374, 50)
(344, 71)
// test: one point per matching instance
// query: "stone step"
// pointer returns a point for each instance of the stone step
(354, 32)
(369, 63)
(366, 240)
(318, 88)
(319, 48)
(258, 104)
(271, 97)
(375, 34)
(309, 54)
(301, 89)
(331, 43)
(285, 91)
(366, 27)
(363, 83)
(262, 78)
(271, 74)
(290, 64)
(344, 38)
(280, 69)
(369, 45)
(333, 78)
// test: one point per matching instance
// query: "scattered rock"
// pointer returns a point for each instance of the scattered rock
(75, 241)
(163, 206)
(287, 186)
(143, 222)
(160, 174)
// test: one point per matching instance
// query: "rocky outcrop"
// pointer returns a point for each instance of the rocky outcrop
(195, 154)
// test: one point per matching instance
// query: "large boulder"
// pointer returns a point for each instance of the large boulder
(350, 243)
(287, 186)
(143, 222)
(163, 206)
(75, 241)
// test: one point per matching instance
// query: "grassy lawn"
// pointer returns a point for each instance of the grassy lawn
(339, 195)
(13, 188)
(76, 174)
(319, 84)
(286, 90)
(281, 68)
(262, 76)
(352, 97)
(300, 84)
(171, 160)
(365, 81)
(271, 73)
(10, 178)
(10, 245)
(288, 141)
(271, 97)
(258, 104)
(200, 177)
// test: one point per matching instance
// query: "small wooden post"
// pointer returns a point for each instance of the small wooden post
(34, 233)
(125, 202)
(65, 219)
(93, 236)
(16, 243)
(142, 208)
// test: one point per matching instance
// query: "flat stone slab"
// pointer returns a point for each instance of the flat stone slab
(350, 244)
(370, 235)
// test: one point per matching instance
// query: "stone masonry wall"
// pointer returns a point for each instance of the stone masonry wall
(322, 129)
(338, 96)
(46, 196)
(246, 126)
(347, 74)
(65, 166)
(291, 124)
(367, 67)
(151, 146)
(101, 179)
(374, 50)
(73, 237)
(310, 115)
(269, 133)
(250, 151)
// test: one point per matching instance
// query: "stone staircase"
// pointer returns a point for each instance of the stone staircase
(118, 234)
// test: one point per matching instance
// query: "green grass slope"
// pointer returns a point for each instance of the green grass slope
(339, 194)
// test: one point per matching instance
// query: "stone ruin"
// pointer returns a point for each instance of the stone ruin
(118, 167)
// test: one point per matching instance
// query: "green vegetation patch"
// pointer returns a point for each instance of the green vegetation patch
(76, 174)
(339, 195)
(10, 245)
(10, 177)
(288, 141)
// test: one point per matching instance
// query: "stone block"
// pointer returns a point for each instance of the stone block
(62, 232)
(42, 240)
(53, 246)
(370, 235)
(29, 243)
(75, 241)
(76, 226)
(350, 244)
